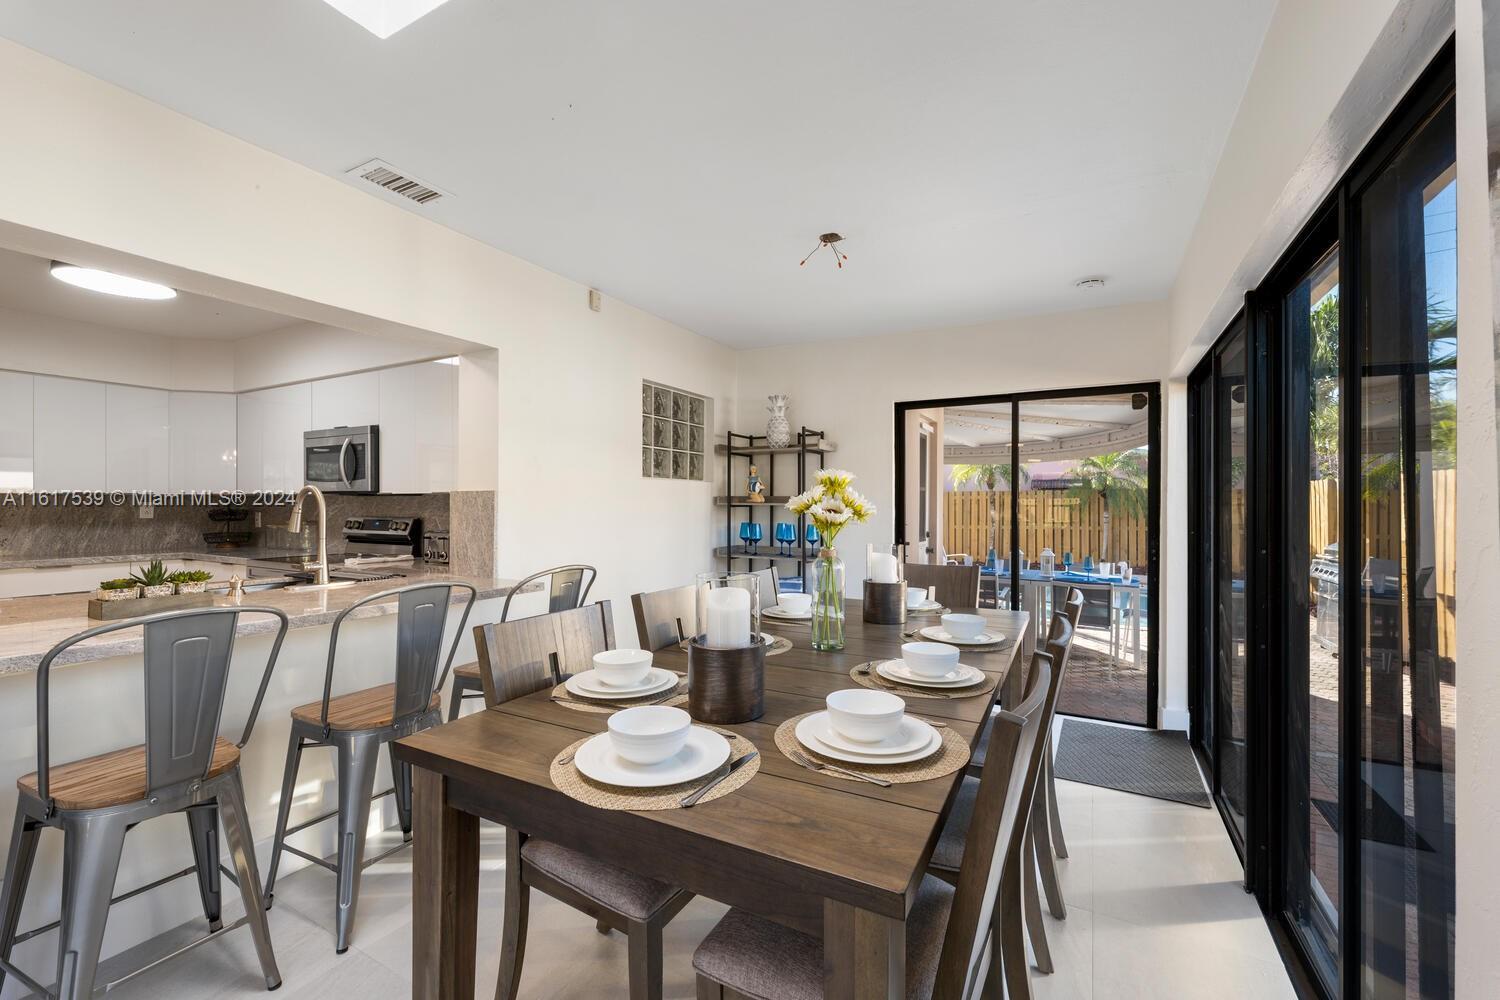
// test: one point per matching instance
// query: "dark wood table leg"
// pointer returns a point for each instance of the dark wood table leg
(864, 954)
(445, 892)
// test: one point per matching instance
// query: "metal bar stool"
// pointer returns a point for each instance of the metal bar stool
(356, 725)
(184, 766)
(569, 588)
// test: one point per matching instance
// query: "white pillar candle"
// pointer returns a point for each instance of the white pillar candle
(882, 567)
(728, 618)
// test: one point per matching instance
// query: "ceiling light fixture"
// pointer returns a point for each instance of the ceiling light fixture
(110, 283)
(828, 240)
(1092, 284)
(383, 18)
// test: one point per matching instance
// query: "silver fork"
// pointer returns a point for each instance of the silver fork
(817, 765)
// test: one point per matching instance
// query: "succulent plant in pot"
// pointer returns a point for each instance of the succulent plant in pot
(124, 589)
(153, 580)
(190, 581)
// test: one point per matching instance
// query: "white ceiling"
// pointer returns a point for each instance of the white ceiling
(26, 284)
(1050, 429)
(979, 156)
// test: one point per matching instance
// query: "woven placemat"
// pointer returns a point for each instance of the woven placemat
(607, 706)
(870, 679)
(952, 756)
(566, 779)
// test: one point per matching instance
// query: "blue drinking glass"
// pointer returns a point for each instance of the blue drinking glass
(1067, 562)
(812, 536)
(756, 534)
(786, 534)
(1088, 564)
(745, 534)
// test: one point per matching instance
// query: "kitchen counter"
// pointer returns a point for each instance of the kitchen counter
(241, 555)
(29, 626)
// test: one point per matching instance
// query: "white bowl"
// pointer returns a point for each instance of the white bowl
(929, 659)
(963, 626)
(915, 597)
(649, 734)
(863, 715)
(796, 604)
(622, 667)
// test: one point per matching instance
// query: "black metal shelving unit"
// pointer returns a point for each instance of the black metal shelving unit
(753, 449)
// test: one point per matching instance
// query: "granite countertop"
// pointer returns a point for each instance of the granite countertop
(240, 556)
(29, 626)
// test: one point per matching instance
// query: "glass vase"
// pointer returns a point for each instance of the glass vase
(825, 581)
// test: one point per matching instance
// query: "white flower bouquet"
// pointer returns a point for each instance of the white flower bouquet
(831, 505)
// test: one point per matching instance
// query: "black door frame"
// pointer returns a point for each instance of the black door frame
(1152, 391)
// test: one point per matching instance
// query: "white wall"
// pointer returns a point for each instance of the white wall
(310, 246)
(48, 345)
(1478, 746)
(1327, 76)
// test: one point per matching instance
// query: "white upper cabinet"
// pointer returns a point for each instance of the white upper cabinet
(270, 427)
(203, 442)
(418, 427)
(16, 471)
(346, 401)
(69, 434)
(136, 446)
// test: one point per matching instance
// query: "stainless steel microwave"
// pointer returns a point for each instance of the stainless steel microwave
(342, 459)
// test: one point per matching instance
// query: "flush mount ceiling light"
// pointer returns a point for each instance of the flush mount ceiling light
(383, 18)
(829, 240)
(110, 283)
(1092, 284)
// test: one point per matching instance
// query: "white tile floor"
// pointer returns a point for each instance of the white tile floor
(1155, 909)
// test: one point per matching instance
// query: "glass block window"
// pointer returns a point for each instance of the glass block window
(674, 432)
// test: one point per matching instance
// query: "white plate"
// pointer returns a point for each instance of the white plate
(939, 634)
(897, 670)
(815, 733)
(926, 606)
(588, 685)
(705, 752)
(775, 611)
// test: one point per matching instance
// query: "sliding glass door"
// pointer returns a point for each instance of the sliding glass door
(1323, 452)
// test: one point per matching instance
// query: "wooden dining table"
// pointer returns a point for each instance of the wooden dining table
(835, 858)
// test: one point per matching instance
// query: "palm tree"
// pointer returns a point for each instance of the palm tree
(988, 476)
(1119, 479)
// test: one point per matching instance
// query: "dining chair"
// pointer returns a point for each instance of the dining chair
(184, 766)
(770, 585)
(1020, 907)
(567, 588)
(521, 658)
(663, 618)
(955, 928)
(957, 586)
(356, 725)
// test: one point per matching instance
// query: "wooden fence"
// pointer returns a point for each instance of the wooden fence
(1049, 519)
(1068, 524)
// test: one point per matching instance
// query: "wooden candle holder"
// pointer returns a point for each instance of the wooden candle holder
(726, 686)
(885, 603)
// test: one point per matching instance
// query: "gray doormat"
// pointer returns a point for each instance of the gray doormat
(1158, 763)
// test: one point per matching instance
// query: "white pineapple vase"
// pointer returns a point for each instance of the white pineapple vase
(778, 430)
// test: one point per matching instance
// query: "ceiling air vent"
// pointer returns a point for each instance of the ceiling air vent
(383, 175)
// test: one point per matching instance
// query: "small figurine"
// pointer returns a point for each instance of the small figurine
(755, 490)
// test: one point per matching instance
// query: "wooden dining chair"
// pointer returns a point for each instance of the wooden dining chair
(1020, 905)
(567, 588)
(535, 654)
(955, 927)
(957, 586)
(663, 618)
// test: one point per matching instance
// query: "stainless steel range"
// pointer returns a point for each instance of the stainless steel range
(381, 541)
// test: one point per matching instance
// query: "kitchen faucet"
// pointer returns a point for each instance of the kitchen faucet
(294, 525)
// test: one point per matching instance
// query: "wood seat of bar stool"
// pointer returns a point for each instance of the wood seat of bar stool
(468, 671)
(114, 778)
(368, 709)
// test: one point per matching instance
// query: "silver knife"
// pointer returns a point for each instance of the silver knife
(691, 799)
